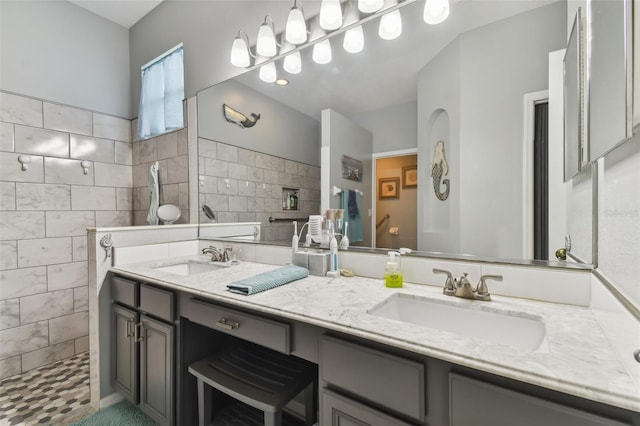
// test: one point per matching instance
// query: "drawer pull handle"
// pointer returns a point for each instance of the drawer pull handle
(222, 322)
(137, 336)
(130, 326)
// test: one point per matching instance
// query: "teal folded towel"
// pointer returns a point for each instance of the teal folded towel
(268, 280)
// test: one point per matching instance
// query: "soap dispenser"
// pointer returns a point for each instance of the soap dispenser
(393, 273)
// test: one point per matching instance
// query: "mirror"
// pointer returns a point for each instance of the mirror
(466, 81)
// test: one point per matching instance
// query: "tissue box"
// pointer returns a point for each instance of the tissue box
(316, 262)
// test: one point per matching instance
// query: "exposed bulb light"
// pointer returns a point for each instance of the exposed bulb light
(436, 11)
(354, 40)
(282, 82)
(292, 63)
(322, 52)
(268, 73)
(266, 44)
(296, 30)
(370, 6)
(390, 25)
(240, 51)
(330, 15)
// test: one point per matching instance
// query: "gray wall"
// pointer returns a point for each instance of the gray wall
(57, 51)
(393, 128)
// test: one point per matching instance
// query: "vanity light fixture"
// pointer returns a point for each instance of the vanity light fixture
(266, 44)
(280, 82)
(330, 15)
(296, 29)
(85, 166)
(24, 161)
(268, 72)
(354, 38)
(390, 25)
(292, 63)
(321, 50)
(240, 51)
(435, 11)
(370, 6)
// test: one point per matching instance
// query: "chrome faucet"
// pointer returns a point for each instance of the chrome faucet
(461, 287)
(216, 255)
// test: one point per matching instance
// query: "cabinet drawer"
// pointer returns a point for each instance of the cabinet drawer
(384, 379)
(157, 302)
(262, 331)
(125, 291)
(337, 410)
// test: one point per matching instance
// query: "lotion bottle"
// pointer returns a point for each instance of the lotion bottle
(393, 273)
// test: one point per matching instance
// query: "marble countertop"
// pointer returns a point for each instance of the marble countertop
(579, 360)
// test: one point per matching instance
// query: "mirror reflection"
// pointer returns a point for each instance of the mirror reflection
(466, 108)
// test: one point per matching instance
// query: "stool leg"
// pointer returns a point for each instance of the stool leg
(205, 395)
(309, 404)
(273, 418)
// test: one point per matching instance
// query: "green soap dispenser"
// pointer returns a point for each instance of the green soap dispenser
(393, 273)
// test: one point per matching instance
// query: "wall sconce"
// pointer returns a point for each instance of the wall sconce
(24, 160)
(85, 166)
(240, 51)
(266, 45)
(296, 29)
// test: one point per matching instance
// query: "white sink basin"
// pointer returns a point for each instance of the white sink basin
(481, 322)
(191, 268)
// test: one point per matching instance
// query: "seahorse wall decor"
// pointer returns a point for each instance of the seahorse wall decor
(439, 168)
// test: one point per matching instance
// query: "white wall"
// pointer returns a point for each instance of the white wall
(57, 51)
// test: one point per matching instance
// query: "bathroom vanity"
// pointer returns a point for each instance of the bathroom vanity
(373, 369)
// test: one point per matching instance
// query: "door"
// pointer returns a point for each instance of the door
(124, 352)
(338, 410)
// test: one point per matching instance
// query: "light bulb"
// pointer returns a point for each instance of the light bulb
(370, 6)
(296, 30)
(330, 14)
(240, 53)
(322, 52)
(268, 73)
(354, 40)
(435, 11)
(266, 44)
(390, 25)
(292, 63)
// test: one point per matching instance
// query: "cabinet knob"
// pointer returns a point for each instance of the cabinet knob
(228, 325)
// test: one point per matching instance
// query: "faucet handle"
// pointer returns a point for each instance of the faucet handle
(448, 289)
(482, 291)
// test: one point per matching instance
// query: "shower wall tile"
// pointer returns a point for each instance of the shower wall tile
(67, 275)
(10, 367)
(177, 169)
(48, 355)
(183, 196)
(79, 249)
(141, 175)
(227, 153)
(68, 327)
(69, 223)
(247, 189)
(7, 196)
(216, 168)
(26, 338)
(238, 171)
(81, 299)
(81, 344)
(11, 170)
(8, 255)
(148, 150)
(94, 149)
(46, 306)
(23, 282)
(21, 110)
(9, 313)
(58, 170)
(135, 153)
(31, 140)
(227, 186)
(167, 145)
(207, 148)
(113, 218)
(246, 157)
(183, 142)
(124, 153)
(47, 251)
(93, 198)
(116, 175)
(109, 127)
(124, 199)
(35, 196)
(141, 199)
(169, 194)
(67, 119)
(18, 225)
(6, 137)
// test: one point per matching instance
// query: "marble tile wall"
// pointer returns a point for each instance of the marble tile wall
(240, 185)
(44, 213)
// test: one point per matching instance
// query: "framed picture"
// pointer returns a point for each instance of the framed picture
(351, 169)
(388, 187)
(410, 177)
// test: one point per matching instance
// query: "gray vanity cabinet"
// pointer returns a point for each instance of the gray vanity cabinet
(143, 347)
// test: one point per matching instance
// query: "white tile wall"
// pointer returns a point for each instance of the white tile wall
(93, 198)
(69, 223)
(67, 119)
(109, 127)
(26, 338)
(17, 225)
(46, 306)
(8, 255)
(67, 275)
(115, 175)
(10, 366)
(68, 327)
(95, 149)
(11, 171)
(46, 251)
(6, 137)
(59, 170)
(23, 282)
(7, 196)
(47, 355)
(21, 110)
(31, 140)
(9, 313)
(31, 196)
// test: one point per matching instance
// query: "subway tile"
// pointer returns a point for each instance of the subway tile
(11, 170)
(79, 248)
(255, 204)
(148, 150)
(255, 174)
(238, 171)
(140, 198)
(69, 223)
(167, 145)
(140, 218)
(7, 196)
(169, 194)
(8, 255)
(93, 198)
(20, 110)
(227, 186)
(106, 219)
(116, 175)
(227, 217)
(183, 142)
(163, 167)
(178, 169)
(81, 344)
(237, 204)
(47, 251)
(207, 148)
(45, 306)
(16, 225)
(23, 282)
(227, 153)
(67, 119)
(124, 153)
(31, 140)
(135, 153)
(10, 367)
(217, 203)
(48, 355)
(140, 174)
(93, 149)
(183, 196)
(6, 137)
(67, 275)
(9, 313)
(37, 196)
(26, 338)
(81, 299)
(213, 167)
(291, 167)
(59, 170)
(68, 327)
(247, 217)
(246, 157)
(109, 127)
(124, 199)
(271, 176)
(246, 188)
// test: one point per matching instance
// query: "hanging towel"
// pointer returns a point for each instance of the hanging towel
(268, 280)
(354, 230)
(154, 195)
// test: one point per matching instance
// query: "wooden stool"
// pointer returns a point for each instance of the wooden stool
(258, 377)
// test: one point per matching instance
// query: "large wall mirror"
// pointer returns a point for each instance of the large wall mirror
(474, 82)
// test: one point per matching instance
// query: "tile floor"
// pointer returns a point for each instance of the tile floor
(56, 394)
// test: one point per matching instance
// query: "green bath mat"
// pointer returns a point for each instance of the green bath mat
(122, 413)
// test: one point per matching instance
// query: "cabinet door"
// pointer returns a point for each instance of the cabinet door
(157, 370)
(338, 410)
(124, 352)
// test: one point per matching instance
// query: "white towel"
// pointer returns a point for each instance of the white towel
(154, 195)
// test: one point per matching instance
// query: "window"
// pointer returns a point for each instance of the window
(161, 95)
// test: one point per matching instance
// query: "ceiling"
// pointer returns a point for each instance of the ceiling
(123, 12)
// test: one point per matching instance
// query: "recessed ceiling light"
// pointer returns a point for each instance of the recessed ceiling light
(282, 82)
